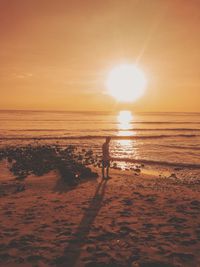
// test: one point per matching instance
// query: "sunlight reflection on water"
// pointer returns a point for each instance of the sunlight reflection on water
(124, 119)
(125, 147)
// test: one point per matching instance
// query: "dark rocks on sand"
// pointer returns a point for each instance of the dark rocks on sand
(178, 168)
(173, 175)
(80, 157)
(39, 160)
(114, 166)
(137, 170)
(89, 153)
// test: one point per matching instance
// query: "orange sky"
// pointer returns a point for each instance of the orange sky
(55, 54)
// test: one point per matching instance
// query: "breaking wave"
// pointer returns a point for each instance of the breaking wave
(115, 137)
(162, 163)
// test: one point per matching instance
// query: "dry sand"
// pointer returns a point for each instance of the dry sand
(129, 220)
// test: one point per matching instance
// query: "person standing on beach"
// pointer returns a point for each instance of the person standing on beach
(106, 158)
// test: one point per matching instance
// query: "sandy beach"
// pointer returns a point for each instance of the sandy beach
(99, 133)
(132, 219)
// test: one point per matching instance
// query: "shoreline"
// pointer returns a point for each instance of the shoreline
(160, 166)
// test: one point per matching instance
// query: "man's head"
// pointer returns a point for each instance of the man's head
(108, 138)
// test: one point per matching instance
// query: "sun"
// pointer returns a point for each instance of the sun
(126, 83)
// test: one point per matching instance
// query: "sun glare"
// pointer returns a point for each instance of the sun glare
(124, 119)
(126, 83)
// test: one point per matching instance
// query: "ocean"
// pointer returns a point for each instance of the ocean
(165, 139)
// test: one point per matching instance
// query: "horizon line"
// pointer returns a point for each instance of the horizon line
(90, 111)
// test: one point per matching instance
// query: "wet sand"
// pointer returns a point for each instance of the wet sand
(133, 219)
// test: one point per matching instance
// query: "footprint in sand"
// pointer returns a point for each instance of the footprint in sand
(195, 205)
(8, 213)
(153, 264)
(124, 230)
(184, 257)
(44, 226)
(125, 213)
(148, 225)
(59, 207)
(91, 248)
(10, 232)
(4, 258)
(25, 242)
(127, 202)
(176, 219)
(189, 242)
(65, 232)
(28, 218)
(35, 259)
(138, 194)
(151, 198)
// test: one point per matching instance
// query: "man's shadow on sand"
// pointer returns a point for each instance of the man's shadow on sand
(73, 250)
(63, 185)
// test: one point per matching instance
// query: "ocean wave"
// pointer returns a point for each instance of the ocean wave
(114, 137)
(182, 147)
(161, 163)
(154, 129)
(89, 121)
(164, 122)
(104, 130)
(36, 130)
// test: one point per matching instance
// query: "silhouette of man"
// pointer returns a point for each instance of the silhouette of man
(106, 158)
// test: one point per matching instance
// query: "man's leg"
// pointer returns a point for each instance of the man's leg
(107, 171)
(103, 174)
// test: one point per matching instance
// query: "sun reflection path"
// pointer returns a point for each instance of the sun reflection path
(124, 119)
(124, 147)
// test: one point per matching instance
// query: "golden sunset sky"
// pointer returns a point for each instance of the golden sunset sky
(56, 54)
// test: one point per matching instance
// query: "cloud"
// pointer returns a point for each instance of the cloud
(22, 75)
